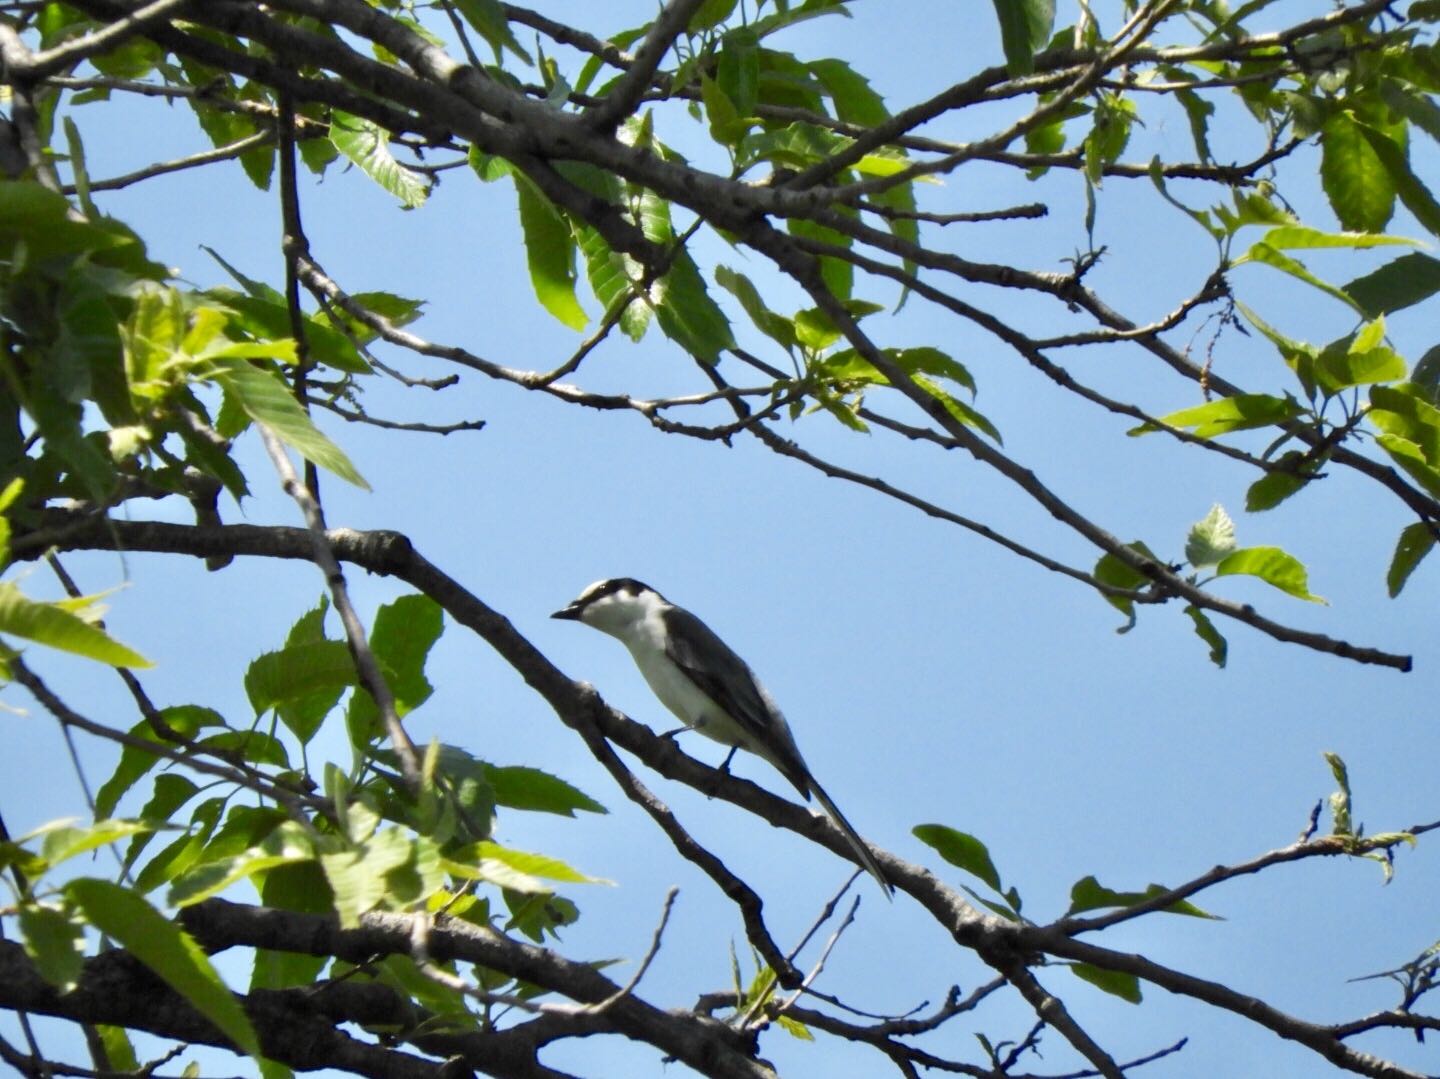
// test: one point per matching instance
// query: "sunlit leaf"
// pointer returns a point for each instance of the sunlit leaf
(167, 950)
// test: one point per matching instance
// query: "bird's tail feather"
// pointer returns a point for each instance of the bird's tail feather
(853, 838)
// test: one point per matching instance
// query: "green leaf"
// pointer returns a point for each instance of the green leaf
(960, 849)
(51, 625)
(1089, 894)
(184, 720)
(368, 145)
(1025, 27)
(1413, 193)
(549, 253)
(119, 1053)
(1206, 631)
(854, 99)
(1340, 803)
(489, 20)
(1400, 283)
(1238, 413)
(687, 313)
(1402, 410)
(1116, 983)
(776, 327)
(1275, 487)
(358, 876)
(531, 789)
(267, 400)
(518, 870)
(288, 844)
(404, 632)
(1414, 544)
(710, 14)
(167, 950)
(1117, 573)
(1273, 257)
(54, 943)
(63, 842)
(296, 672)
(615, 278)
(1273, 566)
(1300, 237)
(1360, 188)
(1211, 538)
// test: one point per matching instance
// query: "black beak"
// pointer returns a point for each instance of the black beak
(571, 612)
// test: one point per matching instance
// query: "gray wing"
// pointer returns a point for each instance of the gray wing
(727, 680)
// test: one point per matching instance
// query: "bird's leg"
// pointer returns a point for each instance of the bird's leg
(672, 735)
(725, 764)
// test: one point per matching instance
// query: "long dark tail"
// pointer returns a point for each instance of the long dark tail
(857, 844)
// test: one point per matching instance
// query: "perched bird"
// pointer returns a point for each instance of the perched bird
(698, 677)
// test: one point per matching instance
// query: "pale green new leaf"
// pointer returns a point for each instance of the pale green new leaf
(1238, 413)
(51, 625)
(167, 950)
(1296, 237)
(515, 869)
(267, 400)
(368, 145)
(1211, 538)
(1273, 566)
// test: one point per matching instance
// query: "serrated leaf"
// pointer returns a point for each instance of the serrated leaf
(1273, 257)
(1359, 187)
(531, 789)
(368, 145)
(774, 326)
(1414, 544)
(1273, 566)
(549, 253)
(960, 849)
(267, 400)
(51, 625)
(1211, 538)
(184, 720)
(1398, 284)
(54, 943)
(167, 950)
(404, 631)
(358, 877)
(297, 672)
(688, 315)
(1116, 983)
(1412, 191)
(518, 870)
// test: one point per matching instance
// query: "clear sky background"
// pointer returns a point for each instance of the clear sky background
(929, 676)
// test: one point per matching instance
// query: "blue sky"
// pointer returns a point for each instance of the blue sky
(928, 675)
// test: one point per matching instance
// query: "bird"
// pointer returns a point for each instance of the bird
(709, 688)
